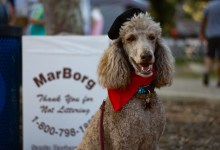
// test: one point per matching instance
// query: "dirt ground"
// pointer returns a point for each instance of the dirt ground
(191, 125)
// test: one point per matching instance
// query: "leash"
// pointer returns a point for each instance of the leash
(101, 127)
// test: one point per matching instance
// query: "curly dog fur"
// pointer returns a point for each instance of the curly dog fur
(132, 127)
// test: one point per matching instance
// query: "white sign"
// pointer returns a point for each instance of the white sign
(60, 89)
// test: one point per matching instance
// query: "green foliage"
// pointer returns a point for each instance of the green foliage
(194, 10)
(164, 11)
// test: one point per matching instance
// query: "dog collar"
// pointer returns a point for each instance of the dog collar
(120, 97)
(145, 89)
(144, 93)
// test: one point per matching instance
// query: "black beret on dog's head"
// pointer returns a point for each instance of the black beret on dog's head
(114, 30)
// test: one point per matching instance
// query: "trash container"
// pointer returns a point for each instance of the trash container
(10, 82)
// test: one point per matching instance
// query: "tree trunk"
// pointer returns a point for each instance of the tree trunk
(63, 16)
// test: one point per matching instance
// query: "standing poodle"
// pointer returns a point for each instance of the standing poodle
(137, 61)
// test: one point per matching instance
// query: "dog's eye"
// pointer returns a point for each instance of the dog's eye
(151, 37)
(131, 38)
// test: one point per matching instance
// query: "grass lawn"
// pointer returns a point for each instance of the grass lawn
(191, 68)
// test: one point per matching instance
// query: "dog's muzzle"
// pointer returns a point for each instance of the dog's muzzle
(142, 69)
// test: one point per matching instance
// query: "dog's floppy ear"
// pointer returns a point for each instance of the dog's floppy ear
(164, 64)
(113, 69)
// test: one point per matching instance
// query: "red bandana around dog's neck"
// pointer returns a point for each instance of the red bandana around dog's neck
(120, 97)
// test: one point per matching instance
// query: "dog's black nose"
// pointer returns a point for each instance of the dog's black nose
(146, 56)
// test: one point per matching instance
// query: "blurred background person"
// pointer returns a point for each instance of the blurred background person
(97, 22)
(210, 33)
(7, 13)
(36, 19)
